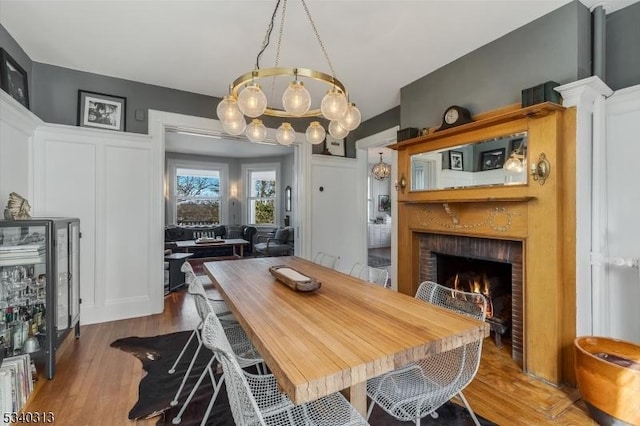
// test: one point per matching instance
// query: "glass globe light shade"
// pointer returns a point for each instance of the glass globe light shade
(513, 164)
(296, 99)
(256, 131)
(351, 119)
(235, 127)
(252, 101)
(315, 133)
(285, 135)
(228, 110)
(337, 130)
(333, 105)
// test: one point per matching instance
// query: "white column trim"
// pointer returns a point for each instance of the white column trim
(586, 95)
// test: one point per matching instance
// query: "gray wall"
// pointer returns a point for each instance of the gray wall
(623, 53)
(550, 48)
(377, 124)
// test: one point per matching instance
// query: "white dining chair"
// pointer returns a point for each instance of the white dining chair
(377, 276)
(419, 389)
(245, 353)
(328, 260)
(257, 399)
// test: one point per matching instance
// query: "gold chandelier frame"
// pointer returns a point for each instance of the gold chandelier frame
(252, 76)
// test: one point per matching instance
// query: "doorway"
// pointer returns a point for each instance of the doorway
(381, 243)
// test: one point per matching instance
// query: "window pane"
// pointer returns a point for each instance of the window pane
(263, 184)
(262, 212)
(197, 183)
(199, 211)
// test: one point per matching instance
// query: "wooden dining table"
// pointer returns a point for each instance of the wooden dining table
(335, 337)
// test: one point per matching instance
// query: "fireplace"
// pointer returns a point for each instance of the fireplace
(492, 267)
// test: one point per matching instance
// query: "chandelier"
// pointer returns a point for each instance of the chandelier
(247, 99)
(381, 170)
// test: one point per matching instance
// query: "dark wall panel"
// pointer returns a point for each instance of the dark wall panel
(623, 51)
(494, 75)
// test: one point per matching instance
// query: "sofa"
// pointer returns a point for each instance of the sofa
(184, 233)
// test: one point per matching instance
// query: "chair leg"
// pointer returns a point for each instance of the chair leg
(175, 364)
(178, 418)
(370, 408)
(217, 387)
(174, 401)
(473, 415)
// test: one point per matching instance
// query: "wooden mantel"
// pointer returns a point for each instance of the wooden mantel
(542, 217)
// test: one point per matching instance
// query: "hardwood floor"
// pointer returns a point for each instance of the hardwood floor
(97, 385)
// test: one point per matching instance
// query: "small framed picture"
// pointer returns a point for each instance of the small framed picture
(384, 203)
(335, 146)
(493, 159)
(101, 111)
(518, 144)
(13, 79)
(455, 160)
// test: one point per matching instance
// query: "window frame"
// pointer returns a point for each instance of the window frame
(172, 168)
(261, 167)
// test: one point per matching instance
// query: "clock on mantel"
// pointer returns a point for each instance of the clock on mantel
(454, 116)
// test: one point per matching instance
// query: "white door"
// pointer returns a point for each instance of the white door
(622, 284)
(336, 210)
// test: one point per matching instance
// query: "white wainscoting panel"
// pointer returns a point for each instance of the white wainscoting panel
(109, 180)
(623, 204)
(17, 127)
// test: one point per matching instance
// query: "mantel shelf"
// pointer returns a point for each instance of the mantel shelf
(441, 200)
(534, 111)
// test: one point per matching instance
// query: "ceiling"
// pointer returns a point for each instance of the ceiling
(201, 46)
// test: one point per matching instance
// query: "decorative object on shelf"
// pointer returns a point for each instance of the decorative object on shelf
(493, 159)
(335, 146)
(17, 207)
(516, 162)
(541, 93)
(246, 97)
(381, 170)
(101, 111)
(454, 116)
(455, 160)
(424, 131)
(540, 169)
(384, 203)
(13, 79)
(406, 133)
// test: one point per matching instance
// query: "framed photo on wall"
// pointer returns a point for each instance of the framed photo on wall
(101, 111)
(455, 160)
(335, 146)
(493, 159)
(13, 79)
(384, 203)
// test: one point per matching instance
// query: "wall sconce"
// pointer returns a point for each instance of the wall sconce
(401, 184)
(540, 169)
(233, 190)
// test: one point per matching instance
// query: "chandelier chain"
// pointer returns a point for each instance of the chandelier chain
(279, 44)
(315, 30)
(267, 35)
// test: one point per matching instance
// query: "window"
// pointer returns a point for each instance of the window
(262, 196)
(197, 192)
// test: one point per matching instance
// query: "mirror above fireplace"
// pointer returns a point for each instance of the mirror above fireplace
(492, 162)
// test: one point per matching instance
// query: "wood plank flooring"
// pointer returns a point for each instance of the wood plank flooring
(97, 385)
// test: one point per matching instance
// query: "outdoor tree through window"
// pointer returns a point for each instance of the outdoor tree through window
(197, 196)
(262, 197)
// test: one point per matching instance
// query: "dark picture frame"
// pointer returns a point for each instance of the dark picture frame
(514, 144)
(456, 160)
(335, 146)
(13, 79)
(384, 203)
(102, 111)
(492, 159)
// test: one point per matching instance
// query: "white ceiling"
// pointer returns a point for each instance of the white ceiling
(201, 46)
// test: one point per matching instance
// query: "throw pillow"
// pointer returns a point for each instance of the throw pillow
(282, 235)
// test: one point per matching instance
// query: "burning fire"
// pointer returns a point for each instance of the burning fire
(480, 285)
